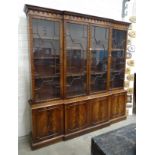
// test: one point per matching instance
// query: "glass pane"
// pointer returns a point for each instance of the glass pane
(117, 58)
(99, 58)
(118, 39)
(76, 49)
(117, 69)
(46, 53)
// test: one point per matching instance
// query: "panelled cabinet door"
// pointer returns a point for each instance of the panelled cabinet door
(118, 105)
(46, 58)
(99, 110)
(122, 104)
(40, 118)
(47, 122)
(99, 58)
(76, 116)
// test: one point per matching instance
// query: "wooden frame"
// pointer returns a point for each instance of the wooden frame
(66, 117)
(32, 56)
(123, 29)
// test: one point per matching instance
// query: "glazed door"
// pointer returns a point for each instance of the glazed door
(117, 69)
(98, 58)
(76, 45)
(46, 58)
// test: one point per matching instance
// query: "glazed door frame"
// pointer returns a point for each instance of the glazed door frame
(89, 25)
(110, 55)
(65, 56)
(31, 45)
(90, 55)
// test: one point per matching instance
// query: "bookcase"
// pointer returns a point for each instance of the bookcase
(77, 73)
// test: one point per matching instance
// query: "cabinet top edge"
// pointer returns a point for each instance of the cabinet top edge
(28, 7)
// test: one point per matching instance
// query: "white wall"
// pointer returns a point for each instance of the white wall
(103, 8)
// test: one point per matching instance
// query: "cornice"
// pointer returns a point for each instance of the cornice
(68, 15)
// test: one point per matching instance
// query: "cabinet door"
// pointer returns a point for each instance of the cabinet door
(76, 116)
(47, 122)
(99, 110)
(46, 59)
(99, 58)
(117, 69)
(76, 44)
(118, 105)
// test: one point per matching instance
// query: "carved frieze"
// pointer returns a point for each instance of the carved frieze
(44, 14)
(51, 13)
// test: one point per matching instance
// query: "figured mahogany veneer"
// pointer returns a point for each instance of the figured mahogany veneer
(77, 68)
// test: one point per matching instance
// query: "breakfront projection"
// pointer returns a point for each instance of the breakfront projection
(77, 73)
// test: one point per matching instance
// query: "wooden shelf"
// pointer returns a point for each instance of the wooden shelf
(115, 71)
(42, 58)
(76, 74)
(120, 79)
(98, 73)
(118, 58)
(99, 49)
(118, 49)
(45, 38)
(93, 83)
(46, 77)
(74, 48)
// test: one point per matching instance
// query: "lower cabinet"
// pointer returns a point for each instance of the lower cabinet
(118, 105)
(68, 120)
(99, 110)
(47, 122)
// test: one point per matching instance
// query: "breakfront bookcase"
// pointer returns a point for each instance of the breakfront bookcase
(77, 68)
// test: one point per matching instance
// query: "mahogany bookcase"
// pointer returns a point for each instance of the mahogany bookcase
(77, 73)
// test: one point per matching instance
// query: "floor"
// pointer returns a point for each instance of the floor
(77, 146)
